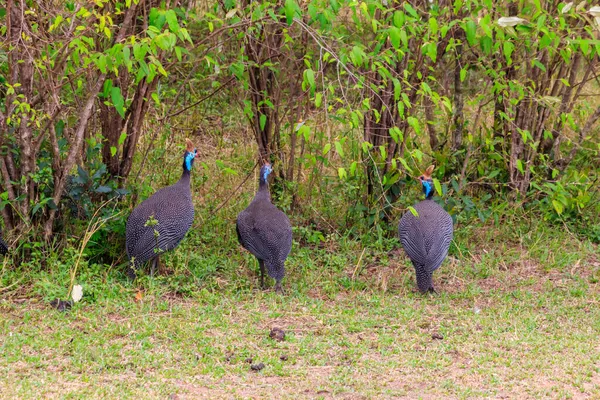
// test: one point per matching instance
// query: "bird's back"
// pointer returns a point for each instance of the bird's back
(426, 237)
(265, 231)
(173, 208)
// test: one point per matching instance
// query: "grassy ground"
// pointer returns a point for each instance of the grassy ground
(517, 317)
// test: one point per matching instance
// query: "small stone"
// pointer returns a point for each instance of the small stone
(283, 357)
(173, 397)
(257, 367)
(248, 360)
(437, 336)
(277, 334)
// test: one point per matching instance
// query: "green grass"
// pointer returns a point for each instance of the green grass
(517, 309)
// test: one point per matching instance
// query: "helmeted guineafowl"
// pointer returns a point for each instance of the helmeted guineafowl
(426, 237)
(160, 222)
(266, 232)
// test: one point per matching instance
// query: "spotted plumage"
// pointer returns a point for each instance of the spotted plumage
(426, 237)
(161, 221)
(266, 232)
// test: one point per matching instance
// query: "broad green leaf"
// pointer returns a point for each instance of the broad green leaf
(433, 26)
(409, 9)
(413, 211)
(113, 151)
(339, 149)
(507, 49)
(438, 186)
(520, 166)
(432, 51)
(310, 78)
(326, 148)
(539, 65)
(117, 100)
(342, 173)
(172, 20)
(557, 206)
(122, 138)
(394, 34)
(291, 10)
(263, 121)
(318, 99)
(486, 44)
(471, 32)
(463, 74)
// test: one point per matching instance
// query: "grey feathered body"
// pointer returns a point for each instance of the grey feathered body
(266, 232)
(173, 208)
(426, 239)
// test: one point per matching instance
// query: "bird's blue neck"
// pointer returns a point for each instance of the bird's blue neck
(428, 189)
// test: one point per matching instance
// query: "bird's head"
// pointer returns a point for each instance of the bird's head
(427, 182)
(265, 170)
(189, 155)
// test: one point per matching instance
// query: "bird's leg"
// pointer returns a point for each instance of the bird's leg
(278, 288)
(131, 273)
(153, 265)
(261, 263)
(432, 290)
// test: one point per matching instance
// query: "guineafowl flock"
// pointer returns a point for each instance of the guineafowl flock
(161, 221)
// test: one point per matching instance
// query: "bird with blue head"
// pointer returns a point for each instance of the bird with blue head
(426, 236)
(265, 231)
(161, 221)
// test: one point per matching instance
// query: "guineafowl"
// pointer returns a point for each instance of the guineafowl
(266, 232)
(426, 237)
(160, 222)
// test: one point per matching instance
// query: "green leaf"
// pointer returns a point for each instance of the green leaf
(113, 151)
(305, 132)
(394, 34)
(557, 206)
(122, 138)
(432, 51)
(438, 186)
(103, 189)
(326, 148)
(263, 121)
(291, 10)
(413, 211)
(399, 18)
(310, 78)
(520, 166)
(172, 21)
(342, 173)
(507, 49)
(433, 26)
(318, 99)
(471, 32)
(409, 9)
(117, 100)
(463, 74)
(486, 44)
(539, 65)
(339, 149)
